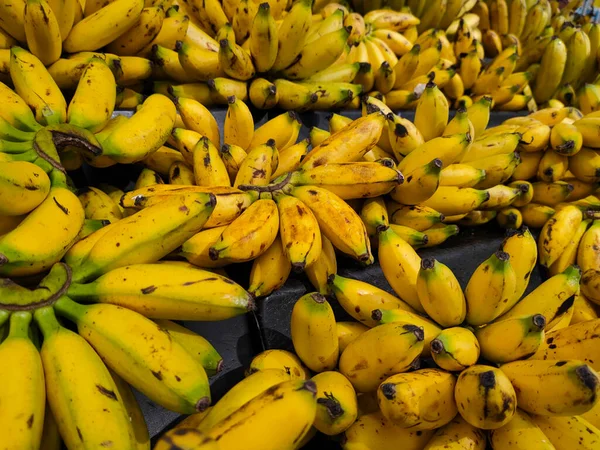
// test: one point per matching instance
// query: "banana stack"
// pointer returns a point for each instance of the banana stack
(486, 350)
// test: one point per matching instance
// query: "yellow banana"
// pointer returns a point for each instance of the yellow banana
(337, 407)
(461, 175)
(181, 173)
(35, 85)
(455, 349)
(73, 402)
(257, 167)
(547, 299)
(42, 31)
(142, 354)
(312, 323)
(325, 265)
(570, 250)
(578, 52)
(142, 33)
(566, 139)
(486, 303)
(418, 217)
(552, 67)
(24, 394)
(451, 200)
(557, 233)
(404, 136)
(290, 158)
(282, 360)
(239, 124)
(479, 115)
(13, 19)
(431, 114)
(456, 434)
(300, 233)
(163, 299)
(209, 168)
(563, 431)
(284, 129)
(270, 270)
(575, 386)
(103, 26)
(551, 194)
(347, 332)
(520, 433)
(493, 145)
(98, 205)
(330, 211)
(232, 156)
(23, 187)
(290, 406)
(522, 248)
(396, 344)
(444, 300)
(512, 339)
(485, 397)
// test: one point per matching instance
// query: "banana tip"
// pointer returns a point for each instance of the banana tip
(3, 259)
(417, 331)
(213, 253)
(539, 321)
(310, 386)
(376, 315)
(298, 267)
(219, 366)
(436, 346)
(428, 263)
(388, 390)
(202, 404)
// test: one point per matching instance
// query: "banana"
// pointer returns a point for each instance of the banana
(24, 393)
(406, 66)
(232, 156)
(404, 136)
(197, 62)
(292, 34)
(325, 265)
(300, 233)
(239, 124)
(264, 40)
(270, 270)
(290, 158)
(434, 389)
(142, 33)
(195, 249)
(418, 217)
(71, 400)
(578, 52)
(552, 299)
(180, 173)
(209, 168)
(284, 129)
(585, 165)
(485, 397)
(400, 265)
(396, 344)
(456, 434)
(198, 118)
(350, 180)
(448, 149)
(589, 98)
(451, 200)
(509, 218)
(431, 114)
(42, 31)
(551, 194)
(12, 19)
(553, 166)
(20, 255)
(144, 133)
(263, 93)
(588, 127)
(520, 433)
(165, 372)
(576, 341)
(552, 67)
(257, 225)
(291, 406)
(512, 339)
(281, 360)
(99, 206)
(242, 21)
(148, 178)
(557, 233)
(587, 257)
(374, 432)
(195, 344)
(23, 187)
(479, 115)
(222, 88)
(294, 96)
(97, 83)
(455, 349)
(182, 217)
(498, 168)
(35, 85)
(570, 250)
(351, 237)
(235, 61)
(103, 26)
(492, 145)
(583, 310)
(166, 300)
(167, 65)
(470, 66)
(522, 248)
(563, 431)
(374, 215)
(575, 380)
(312, 323)
(347, 332)
(443, 301)
(337, 407)
(486, 303)
(359, 299)
(134, 412)
(461, 175)
(256, 169)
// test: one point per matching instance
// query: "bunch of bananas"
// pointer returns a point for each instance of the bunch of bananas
(485, 350)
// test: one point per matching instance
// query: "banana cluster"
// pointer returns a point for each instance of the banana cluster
(486, 352)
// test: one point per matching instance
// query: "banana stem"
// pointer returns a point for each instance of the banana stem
(62, 140)
(19, 324)
(4, 316)
(46, 321)
(66, 307)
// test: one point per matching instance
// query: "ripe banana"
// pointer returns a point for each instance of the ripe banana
(455, 349)
(521, 432)
(270, 270)
(337, 407)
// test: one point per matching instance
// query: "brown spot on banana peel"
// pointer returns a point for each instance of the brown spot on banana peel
(106, 392)
(42, 154)
(30, 422)
(589, 378)
(62, 140)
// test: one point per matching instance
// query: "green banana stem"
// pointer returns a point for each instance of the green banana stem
(278, 184)
(46, 321)
(66, 307)
(19, 324)
(4, 316)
